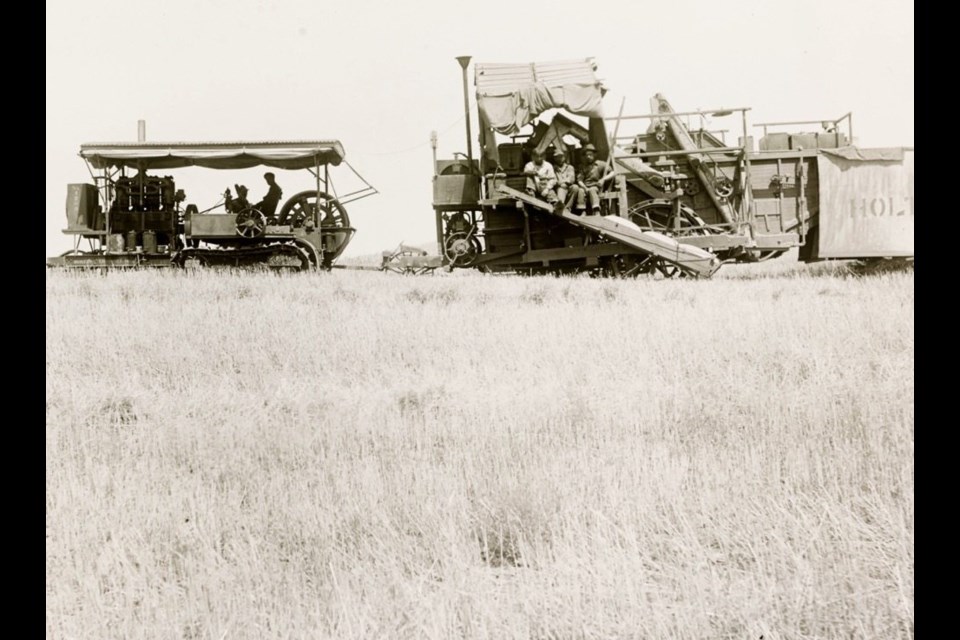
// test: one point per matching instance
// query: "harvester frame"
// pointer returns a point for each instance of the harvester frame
(683, 201)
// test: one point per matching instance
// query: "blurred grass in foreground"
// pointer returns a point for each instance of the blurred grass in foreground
(365, 455)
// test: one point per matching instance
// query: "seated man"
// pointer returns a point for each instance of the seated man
(238, 204)
(541, 179)
(268, 206)
(591, 177)
(566, 177)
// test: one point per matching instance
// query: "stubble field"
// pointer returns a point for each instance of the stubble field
(365, 455)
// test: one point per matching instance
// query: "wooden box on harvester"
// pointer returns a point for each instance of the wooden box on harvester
(511, 157)
(456, 191)
(455, 188)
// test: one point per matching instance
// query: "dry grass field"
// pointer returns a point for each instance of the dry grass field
(367, 455)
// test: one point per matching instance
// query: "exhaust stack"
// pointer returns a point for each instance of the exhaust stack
(464, 62)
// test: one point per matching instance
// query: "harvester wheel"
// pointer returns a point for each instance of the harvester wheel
(658, 215)
(669, 269)
(251, 223)
(630, 265)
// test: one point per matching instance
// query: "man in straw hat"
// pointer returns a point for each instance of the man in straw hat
(591, 177)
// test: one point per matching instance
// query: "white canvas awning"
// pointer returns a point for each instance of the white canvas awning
(512, 95)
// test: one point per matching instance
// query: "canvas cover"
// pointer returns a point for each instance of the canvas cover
(866, 202)
(512, 95)
(856, 153)
(214, 155)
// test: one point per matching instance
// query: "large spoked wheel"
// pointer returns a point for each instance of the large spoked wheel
(251, 223)
(630, 265)
(461, 250)
(669, 269)
(659, 215)
(326, 211)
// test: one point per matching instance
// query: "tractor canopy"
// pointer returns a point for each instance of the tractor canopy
(214, 155)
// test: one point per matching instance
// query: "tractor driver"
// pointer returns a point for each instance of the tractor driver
(268, 206)
(238, 204)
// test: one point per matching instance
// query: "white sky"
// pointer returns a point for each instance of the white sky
(379, 76)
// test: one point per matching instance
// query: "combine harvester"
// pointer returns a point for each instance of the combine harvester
(682, 200)
(140, 220)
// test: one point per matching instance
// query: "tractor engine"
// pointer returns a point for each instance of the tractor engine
(145, 193)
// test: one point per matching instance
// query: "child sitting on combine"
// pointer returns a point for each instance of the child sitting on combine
(541, 179)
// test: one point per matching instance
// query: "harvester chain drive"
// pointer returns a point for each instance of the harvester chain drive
(247, 256)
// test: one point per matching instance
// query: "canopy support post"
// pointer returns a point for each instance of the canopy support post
(106, 209)
(316, 210)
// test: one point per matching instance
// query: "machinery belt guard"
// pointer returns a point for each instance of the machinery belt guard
(691, 259)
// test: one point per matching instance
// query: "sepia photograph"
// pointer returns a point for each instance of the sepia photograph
(479, 320)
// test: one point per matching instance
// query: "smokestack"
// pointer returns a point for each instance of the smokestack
(141, 130)
(464, 61)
